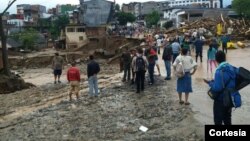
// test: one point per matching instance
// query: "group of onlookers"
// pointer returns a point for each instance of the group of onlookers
(74, 77)
(141, 61)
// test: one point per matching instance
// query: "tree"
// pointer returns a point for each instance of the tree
(117, 7)
(59, 24)
(124, 18)
(241, 7)
(28, 38)
(152, 19)
(4, 40)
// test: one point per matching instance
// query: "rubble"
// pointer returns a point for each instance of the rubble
(241, 27)
(115, 115)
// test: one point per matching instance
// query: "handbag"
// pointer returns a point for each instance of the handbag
(179, 69)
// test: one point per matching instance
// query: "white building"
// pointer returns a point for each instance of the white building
(16, 22)
(205, 3)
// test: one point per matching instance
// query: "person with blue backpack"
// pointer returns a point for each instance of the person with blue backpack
(225, 79)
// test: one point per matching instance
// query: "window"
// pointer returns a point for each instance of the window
(81, 38)
(80, 29)
(70, 30)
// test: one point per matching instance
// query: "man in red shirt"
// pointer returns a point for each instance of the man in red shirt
(73, 76)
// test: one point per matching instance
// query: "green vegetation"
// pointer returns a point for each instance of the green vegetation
(242, 7)
(59, 24)
(152, 19)
(124, 18)
(117, 7)
(28, 38)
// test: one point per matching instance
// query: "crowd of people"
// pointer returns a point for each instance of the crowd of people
(137, 63)
(177, 50)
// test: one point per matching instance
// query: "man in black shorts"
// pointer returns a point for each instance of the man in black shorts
(57, 66)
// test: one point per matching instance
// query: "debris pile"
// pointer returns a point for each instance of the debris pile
(241, 27)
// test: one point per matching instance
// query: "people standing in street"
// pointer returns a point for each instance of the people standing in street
(225, 76)
(57, 66)
(93, 69)
(211, 59)
(176, 47)
(126, 57)
(159, 42)
(184, 84)
(198, 48)
(133, 53)
(167, 57)
(73, 77)
(224, 40)
(151, 57)
(214, 43)
(139, 65)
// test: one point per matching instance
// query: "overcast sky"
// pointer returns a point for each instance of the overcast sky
(53, 3)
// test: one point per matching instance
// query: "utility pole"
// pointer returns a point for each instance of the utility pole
(4, 41)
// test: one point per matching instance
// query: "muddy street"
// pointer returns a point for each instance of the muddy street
(116, 115)
(44, 112)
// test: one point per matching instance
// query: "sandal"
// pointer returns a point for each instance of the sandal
(181, 102)
(187, 103)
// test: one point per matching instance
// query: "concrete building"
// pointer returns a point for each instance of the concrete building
(149, 7)
(31, 13)
(182, 14)
(203, 3)
(75, 36)
(97, 12)
(144, 8)
(130, 8)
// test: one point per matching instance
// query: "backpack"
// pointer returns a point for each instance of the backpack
(230, 96)
(242, 78)
(179, 69)
(140, 64)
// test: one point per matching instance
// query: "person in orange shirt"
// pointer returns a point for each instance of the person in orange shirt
(73, 76)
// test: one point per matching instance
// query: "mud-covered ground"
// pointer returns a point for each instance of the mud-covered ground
(116, 114)
(44, 112)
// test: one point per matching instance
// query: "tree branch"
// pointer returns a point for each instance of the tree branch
(9, 5)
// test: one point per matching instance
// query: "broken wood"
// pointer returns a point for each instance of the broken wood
(120, 54)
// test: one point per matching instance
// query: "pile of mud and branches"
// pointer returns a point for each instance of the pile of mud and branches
(11, 83)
